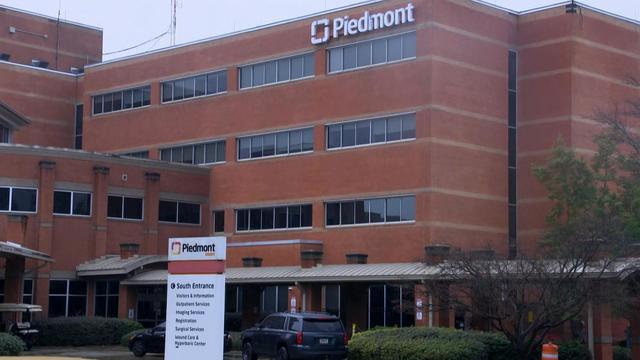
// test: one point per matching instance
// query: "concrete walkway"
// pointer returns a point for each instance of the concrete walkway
(95, 352)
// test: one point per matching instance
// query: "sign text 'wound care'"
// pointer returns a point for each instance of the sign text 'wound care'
(322, 29)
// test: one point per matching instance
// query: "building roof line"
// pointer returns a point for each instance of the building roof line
(50, 17)
(37, 68)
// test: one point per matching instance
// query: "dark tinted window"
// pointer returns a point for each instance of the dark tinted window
(218, 221)
(62, 202)
(4, 198)
(274, 322)
(317, 325)
(167, 211)
(271, 144)
(268, 218)
(370, 131)
(295, 324)
(194, 86)
(124, 99)
(23, 200)
(81, 204)
(366, 211)
(188, 213)
(114, 206)
(132, 208)
(275, 71)
(378, 51)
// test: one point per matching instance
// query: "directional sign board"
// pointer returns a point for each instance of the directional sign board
(195, 298)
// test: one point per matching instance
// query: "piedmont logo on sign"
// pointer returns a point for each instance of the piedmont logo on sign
(323, 29)
(204, 248)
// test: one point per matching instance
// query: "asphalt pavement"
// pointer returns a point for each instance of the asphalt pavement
(95, 352)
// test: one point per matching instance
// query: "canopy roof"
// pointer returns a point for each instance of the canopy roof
(10, 307)
(12, 249)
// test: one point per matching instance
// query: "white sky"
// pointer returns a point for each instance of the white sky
(130, 22)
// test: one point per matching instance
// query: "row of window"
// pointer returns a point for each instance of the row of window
(194, 86)
(69, 298)
(275, 71)
(199, 154)
(122, 100)
(340, 213)
(371, 131)
(274, 144)
(372, 52)
(362, 54)
(282, 143)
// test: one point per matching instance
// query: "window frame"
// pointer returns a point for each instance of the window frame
(276, 60)
(66, 295)
(121, 91)
(10, 210)
(371, 143)
(273, 208)
(71, 214)
(371, 40)
(380, 223)
(6, 132)
(193, 77)
(177, 222)
(193, 146)
(275, 153)
(122, 208)
(107, 295)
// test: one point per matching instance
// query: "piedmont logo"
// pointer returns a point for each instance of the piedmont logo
(323, 29)
(178, 248)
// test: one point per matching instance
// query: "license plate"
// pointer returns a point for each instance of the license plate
(324, 341)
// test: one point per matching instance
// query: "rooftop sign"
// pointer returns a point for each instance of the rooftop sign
(324, 29)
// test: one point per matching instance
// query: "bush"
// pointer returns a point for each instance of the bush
(621, 353)
(10, 345)
(81, 331)
(428, 344)
(124, 340)
(573, 350)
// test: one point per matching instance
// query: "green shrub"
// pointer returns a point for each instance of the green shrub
(427, 344)
(10, 345)
(124, 340)
(235, 340)
(573, 350)
(621, 353)
(81, 331)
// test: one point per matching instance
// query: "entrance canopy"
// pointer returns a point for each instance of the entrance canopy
(13, 249)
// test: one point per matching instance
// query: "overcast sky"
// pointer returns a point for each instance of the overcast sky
(130, 22)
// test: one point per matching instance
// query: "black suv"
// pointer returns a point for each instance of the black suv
(152, 341)
(296, 336)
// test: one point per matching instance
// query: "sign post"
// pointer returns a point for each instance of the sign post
(195, 298)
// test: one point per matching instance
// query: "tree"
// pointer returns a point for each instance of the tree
(595, 216)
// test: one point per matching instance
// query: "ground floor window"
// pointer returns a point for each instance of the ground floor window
(67, 298)
(233, 308)
(274, 299)
(106, 302)
(27, 292)
(332, 300)
(152, 305)
(391, 305)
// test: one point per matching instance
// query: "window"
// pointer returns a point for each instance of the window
(106, 299)
(78, 127)
(194, 86)
(71, 203)
(124, 207)
(388, 306)
(274, 299)
(122, 100)
(371, 131)
(218, 221)
(273, 218)
(372, 52)
(275, 71)
(17, 199)
(371, 211)
(179, 212)
(199, 154)
(27, 291)
(67, 298)
(138, 154)
(275, 144)
(5, 135)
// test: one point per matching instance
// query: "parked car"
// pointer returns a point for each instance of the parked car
(296, 336)
(152, 341)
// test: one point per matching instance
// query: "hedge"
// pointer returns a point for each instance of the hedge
(573, 350)
(10, 345)
(81, 331)
(621, 353)
(428, 344)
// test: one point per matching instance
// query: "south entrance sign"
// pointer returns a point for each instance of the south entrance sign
(195, 298)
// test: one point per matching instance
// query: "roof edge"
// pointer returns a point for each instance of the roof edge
(27, 12)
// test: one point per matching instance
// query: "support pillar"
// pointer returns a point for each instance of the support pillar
(41, 292)
(127, 299)
(602, 334)
(100, 188)
(14, 277)
(421, 302)
(294, 299)
(635, 334)
(152, 196)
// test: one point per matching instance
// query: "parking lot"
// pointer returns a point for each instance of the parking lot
(96, 352)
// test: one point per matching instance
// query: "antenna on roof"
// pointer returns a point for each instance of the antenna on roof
(173, 21)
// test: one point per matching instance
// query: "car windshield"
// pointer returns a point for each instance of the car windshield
(322, 325)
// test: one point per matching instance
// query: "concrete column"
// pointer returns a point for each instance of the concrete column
(14, 277)
(602, 334)
(635, 334)
(151, 198)
(100, 193)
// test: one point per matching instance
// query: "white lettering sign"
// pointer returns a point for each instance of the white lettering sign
(323, 29)
(204, 248)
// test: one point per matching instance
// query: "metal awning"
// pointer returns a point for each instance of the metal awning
(13, 249)
(115, 265)
(318, 274)
(11, 118)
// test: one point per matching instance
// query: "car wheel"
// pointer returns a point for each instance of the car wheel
(138, 348)
(283, 354)
(247, 352)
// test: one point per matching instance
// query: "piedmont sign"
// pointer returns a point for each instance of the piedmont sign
(195, 298)
(323, 29)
